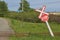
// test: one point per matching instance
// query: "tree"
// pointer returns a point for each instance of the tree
(3, 8)
(25, 5)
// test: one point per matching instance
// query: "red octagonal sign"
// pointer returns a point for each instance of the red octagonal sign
(44, 17)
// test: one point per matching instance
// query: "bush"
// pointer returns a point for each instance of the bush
(29, 16)
(25, 16)
(32, 17)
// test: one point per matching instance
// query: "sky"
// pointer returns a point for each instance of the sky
(51, 5)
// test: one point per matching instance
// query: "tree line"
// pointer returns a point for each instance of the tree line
(4, 7)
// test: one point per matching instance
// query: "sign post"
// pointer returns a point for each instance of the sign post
(44, 17)
(49, 29)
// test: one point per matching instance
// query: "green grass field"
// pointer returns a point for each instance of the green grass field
(26, 27)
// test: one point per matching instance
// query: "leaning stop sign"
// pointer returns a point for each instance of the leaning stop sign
(44, 17)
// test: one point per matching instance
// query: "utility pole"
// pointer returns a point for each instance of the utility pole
(22, 5)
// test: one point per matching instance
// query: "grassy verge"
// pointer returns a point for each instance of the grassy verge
(25, 27)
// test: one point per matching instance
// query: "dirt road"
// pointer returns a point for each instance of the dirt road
(5, 30)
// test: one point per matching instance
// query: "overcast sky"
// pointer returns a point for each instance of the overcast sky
(51, 5)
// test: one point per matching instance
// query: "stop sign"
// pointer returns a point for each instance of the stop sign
(44, 17)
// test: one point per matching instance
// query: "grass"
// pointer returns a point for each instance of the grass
(19, 26)
(25, 27)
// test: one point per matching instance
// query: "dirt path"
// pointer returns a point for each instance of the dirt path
(5, 30)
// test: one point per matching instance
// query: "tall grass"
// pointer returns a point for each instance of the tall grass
(27, 27)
